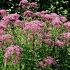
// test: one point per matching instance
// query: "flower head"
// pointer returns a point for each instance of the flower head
(56, 22)
(3, 13)
(46, 62)
(33, 26)
(54, 15)
(5, 37)
(46, 17)
(11, 18)
(11, 51)
(49, 60)
(66, 35)
(63, 19)
(23, 3)
(59, 43)
(33, 5)
(48, 42)
(2, 31)
(67, 25)
(14, 17)
(28, 13)
(3, 24)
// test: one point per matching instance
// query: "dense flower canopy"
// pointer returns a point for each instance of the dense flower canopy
(33, 40)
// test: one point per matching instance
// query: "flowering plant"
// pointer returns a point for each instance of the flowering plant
(39, 41)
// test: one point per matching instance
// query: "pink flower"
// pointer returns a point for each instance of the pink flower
(33, 5)
(6, 19)
(28, 13)
(54, 15)
(59, 43)
(5, 37)
(3, 24)
(18, 23)
(3, 12)
(46, 62)
(10, 19)
(23, 3)
(49, 60)
(11, 51)
(33, 26)
(41, 14)
(46, 17)
(66, 35)
(63, 19)
(47, 35)
(14, 17)
(67, 25)
(44, 12)
(2, 31)
(56, 22)
(37, 14)
(48, 42)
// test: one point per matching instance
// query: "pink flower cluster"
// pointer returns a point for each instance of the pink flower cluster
(48, 42)
(56, 22)
(59, 43)
(9, 19)
(33, 5)
(33, 26)
(46, 62)
(5, 37)
(11, 52)
(3, 24)
(36, 26)
(67, 25)
(52, 18)
(24, 4)
(3, 13)
(2, 31)
(66, 35)
(63, 19)
(28, 14)
(14, 16)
